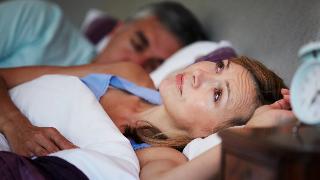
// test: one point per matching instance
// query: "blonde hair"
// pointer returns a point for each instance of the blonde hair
(150, 134)
(268, 90)
(269, 84)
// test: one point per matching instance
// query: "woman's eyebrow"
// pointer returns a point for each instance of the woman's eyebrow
(227, 83)
(228, 63)
(228, 90)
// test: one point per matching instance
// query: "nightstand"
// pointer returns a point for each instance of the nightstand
(271, 153)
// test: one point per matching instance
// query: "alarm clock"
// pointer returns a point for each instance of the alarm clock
(305, 86)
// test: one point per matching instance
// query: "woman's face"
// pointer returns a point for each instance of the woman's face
(206, 96)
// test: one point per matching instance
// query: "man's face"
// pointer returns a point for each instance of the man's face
(144, 41)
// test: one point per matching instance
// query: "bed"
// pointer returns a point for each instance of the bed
(238, 22)
(65, 103)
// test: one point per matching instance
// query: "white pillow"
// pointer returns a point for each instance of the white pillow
(200, 145)
(65, 103)
(90, 16)
(185, 57)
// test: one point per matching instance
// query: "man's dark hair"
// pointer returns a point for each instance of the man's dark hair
(176, 18)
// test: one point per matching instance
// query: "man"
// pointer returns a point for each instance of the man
(37, 33)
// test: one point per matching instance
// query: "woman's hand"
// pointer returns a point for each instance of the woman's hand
(274, 114)
(28, 140)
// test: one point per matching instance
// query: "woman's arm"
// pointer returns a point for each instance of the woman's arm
(166, 163)
(276, 114)
(26, 139)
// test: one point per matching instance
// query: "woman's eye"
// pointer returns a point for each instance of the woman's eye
(217, 93)
(219, 66)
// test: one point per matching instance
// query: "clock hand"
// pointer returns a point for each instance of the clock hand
(315, 97)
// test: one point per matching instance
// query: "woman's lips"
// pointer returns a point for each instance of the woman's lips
(179, 82)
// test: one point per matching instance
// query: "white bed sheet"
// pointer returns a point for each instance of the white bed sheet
(65, 103)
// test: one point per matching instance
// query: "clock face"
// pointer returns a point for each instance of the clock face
(305, 93)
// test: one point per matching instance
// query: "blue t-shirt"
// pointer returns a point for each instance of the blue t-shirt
(36, 32)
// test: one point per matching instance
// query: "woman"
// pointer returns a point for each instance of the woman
(197, 101)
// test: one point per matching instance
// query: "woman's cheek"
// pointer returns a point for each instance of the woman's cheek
(194, 107)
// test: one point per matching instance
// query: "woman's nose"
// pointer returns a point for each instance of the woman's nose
(197, 78)
(203, 78)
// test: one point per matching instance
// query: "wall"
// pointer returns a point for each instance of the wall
(77, 9)
(269, 30)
